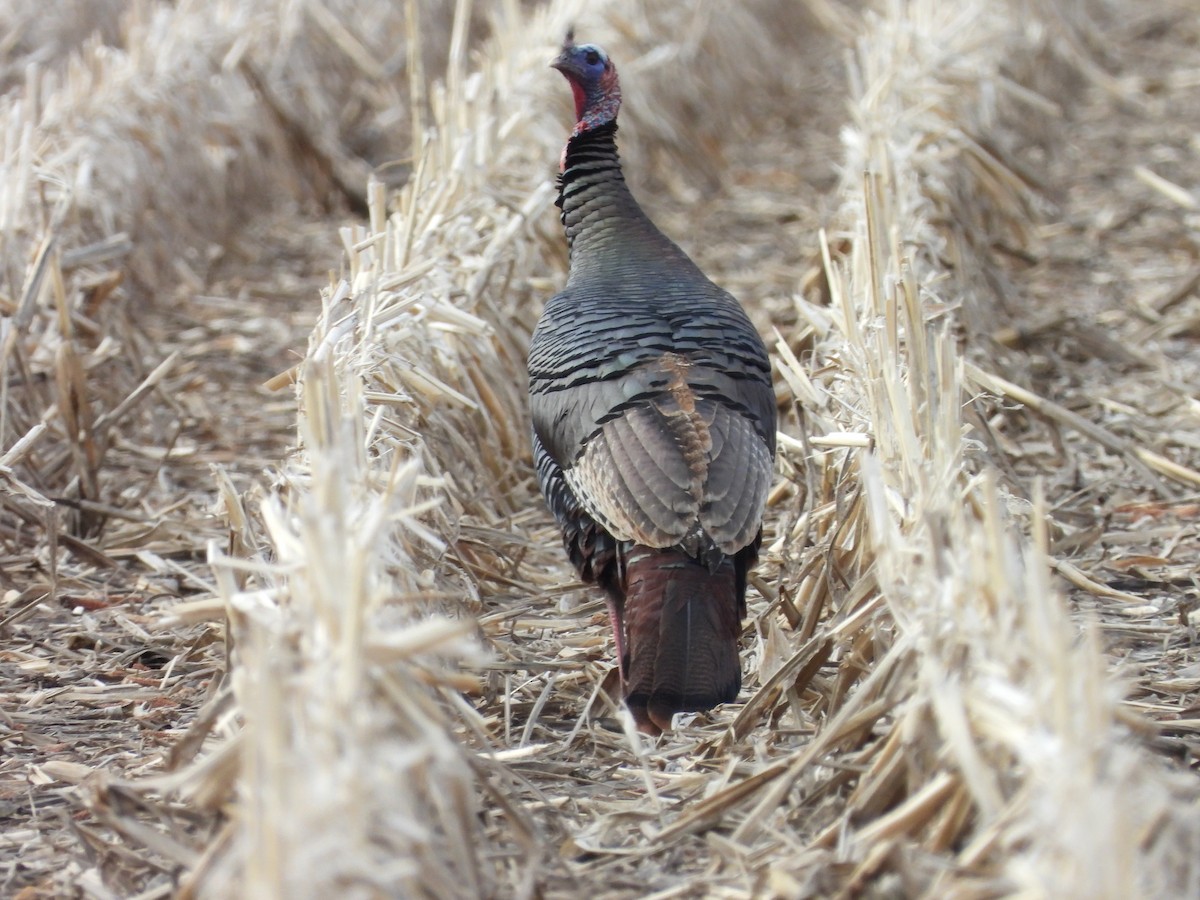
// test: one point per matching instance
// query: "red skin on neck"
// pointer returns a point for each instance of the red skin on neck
(600, 109)
(580, 99)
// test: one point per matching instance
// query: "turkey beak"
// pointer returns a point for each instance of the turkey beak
(568, 66)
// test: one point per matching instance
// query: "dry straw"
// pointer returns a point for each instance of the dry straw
(930, 711)
(1006, 746)
(130, 151)
(134, 144)
(418, 701)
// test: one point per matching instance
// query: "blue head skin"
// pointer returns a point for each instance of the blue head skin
(593, 80)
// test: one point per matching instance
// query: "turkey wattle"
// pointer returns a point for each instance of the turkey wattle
(653, 424)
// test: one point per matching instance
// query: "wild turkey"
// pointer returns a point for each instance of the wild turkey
(653, 424)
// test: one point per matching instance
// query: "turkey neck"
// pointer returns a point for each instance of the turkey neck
(604, 224)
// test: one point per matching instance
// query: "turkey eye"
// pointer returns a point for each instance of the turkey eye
(592, 57)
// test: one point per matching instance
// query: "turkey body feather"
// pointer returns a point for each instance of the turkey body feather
(653, 424)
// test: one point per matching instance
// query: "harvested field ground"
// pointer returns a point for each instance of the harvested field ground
(321, 640)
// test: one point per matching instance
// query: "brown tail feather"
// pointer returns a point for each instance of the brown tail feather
(682, 624)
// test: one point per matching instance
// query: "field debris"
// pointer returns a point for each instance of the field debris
(283, 613)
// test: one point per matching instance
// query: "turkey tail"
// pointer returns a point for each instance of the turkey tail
(682, 623)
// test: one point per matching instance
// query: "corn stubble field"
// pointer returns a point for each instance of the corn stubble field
(283, 613)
